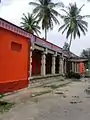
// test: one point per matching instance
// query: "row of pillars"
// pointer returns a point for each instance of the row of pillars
(43, 64)
(43, 67)
(62, 64)
(75, 67)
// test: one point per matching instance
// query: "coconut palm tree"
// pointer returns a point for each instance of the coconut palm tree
(46, 14)
(74, 22)
(30, 24)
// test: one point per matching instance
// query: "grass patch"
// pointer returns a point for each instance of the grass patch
(5, 106)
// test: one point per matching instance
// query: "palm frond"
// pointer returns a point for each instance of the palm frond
(61, 27)
(68, 32)
(82, 29)
(34, 4)
(78, 32)
(30, 23)
(79, 10)
(66, 27)
(53, 5)
(85, 16)
(55, 12)
(36, 10)
(54, 19)
(65, 12)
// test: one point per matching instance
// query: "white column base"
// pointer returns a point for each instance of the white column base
(43, 66)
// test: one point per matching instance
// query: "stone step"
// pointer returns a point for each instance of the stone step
(45, 81)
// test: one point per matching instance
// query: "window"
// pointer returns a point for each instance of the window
(16, 46)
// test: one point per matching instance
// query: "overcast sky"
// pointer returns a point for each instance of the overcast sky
(12, 11)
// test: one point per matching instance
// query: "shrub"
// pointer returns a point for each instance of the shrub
(72, 74)
(4, 105)
(77, 75)
(1, 96)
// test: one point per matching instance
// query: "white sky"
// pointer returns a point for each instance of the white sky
(12, 11)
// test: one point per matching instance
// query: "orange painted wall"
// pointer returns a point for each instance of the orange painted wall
(13, 64)
(82, 68)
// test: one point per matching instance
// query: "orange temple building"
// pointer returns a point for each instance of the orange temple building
(24, 56)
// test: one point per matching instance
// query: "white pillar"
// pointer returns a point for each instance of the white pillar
(73, 66)
(77, 67)
(53, 64)
(65, 66)
(61, 62)
(43, 64)
(31, 50)
(30, 63)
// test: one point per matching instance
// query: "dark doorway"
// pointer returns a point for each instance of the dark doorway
(57, 65)
(48, 63)
(36, 62)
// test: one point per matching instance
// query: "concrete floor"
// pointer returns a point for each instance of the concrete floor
(54, 106)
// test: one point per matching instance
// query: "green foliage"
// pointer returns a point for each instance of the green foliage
(72, 74)
(30, 24)
(66, 46)
(5, 106)
(74, 22)
(1, 96)
(46, 14)
(86, 53)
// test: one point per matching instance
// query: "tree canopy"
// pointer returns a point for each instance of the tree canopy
(30, 24)
(46, 14)
(74, 22)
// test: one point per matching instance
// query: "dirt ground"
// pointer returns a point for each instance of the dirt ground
(71, 103)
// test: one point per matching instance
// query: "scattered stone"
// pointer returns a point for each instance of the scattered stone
(64, 96)
(80, 101)
(33, 95)
(59, 92)
(75, 96)
(87, 90)
(36, 100)
(75, 101)
(62, 80)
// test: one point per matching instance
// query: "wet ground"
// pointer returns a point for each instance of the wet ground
(69, 103)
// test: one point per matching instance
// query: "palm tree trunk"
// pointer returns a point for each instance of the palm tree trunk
(68, 60)
(45, 33)
(70, 42)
